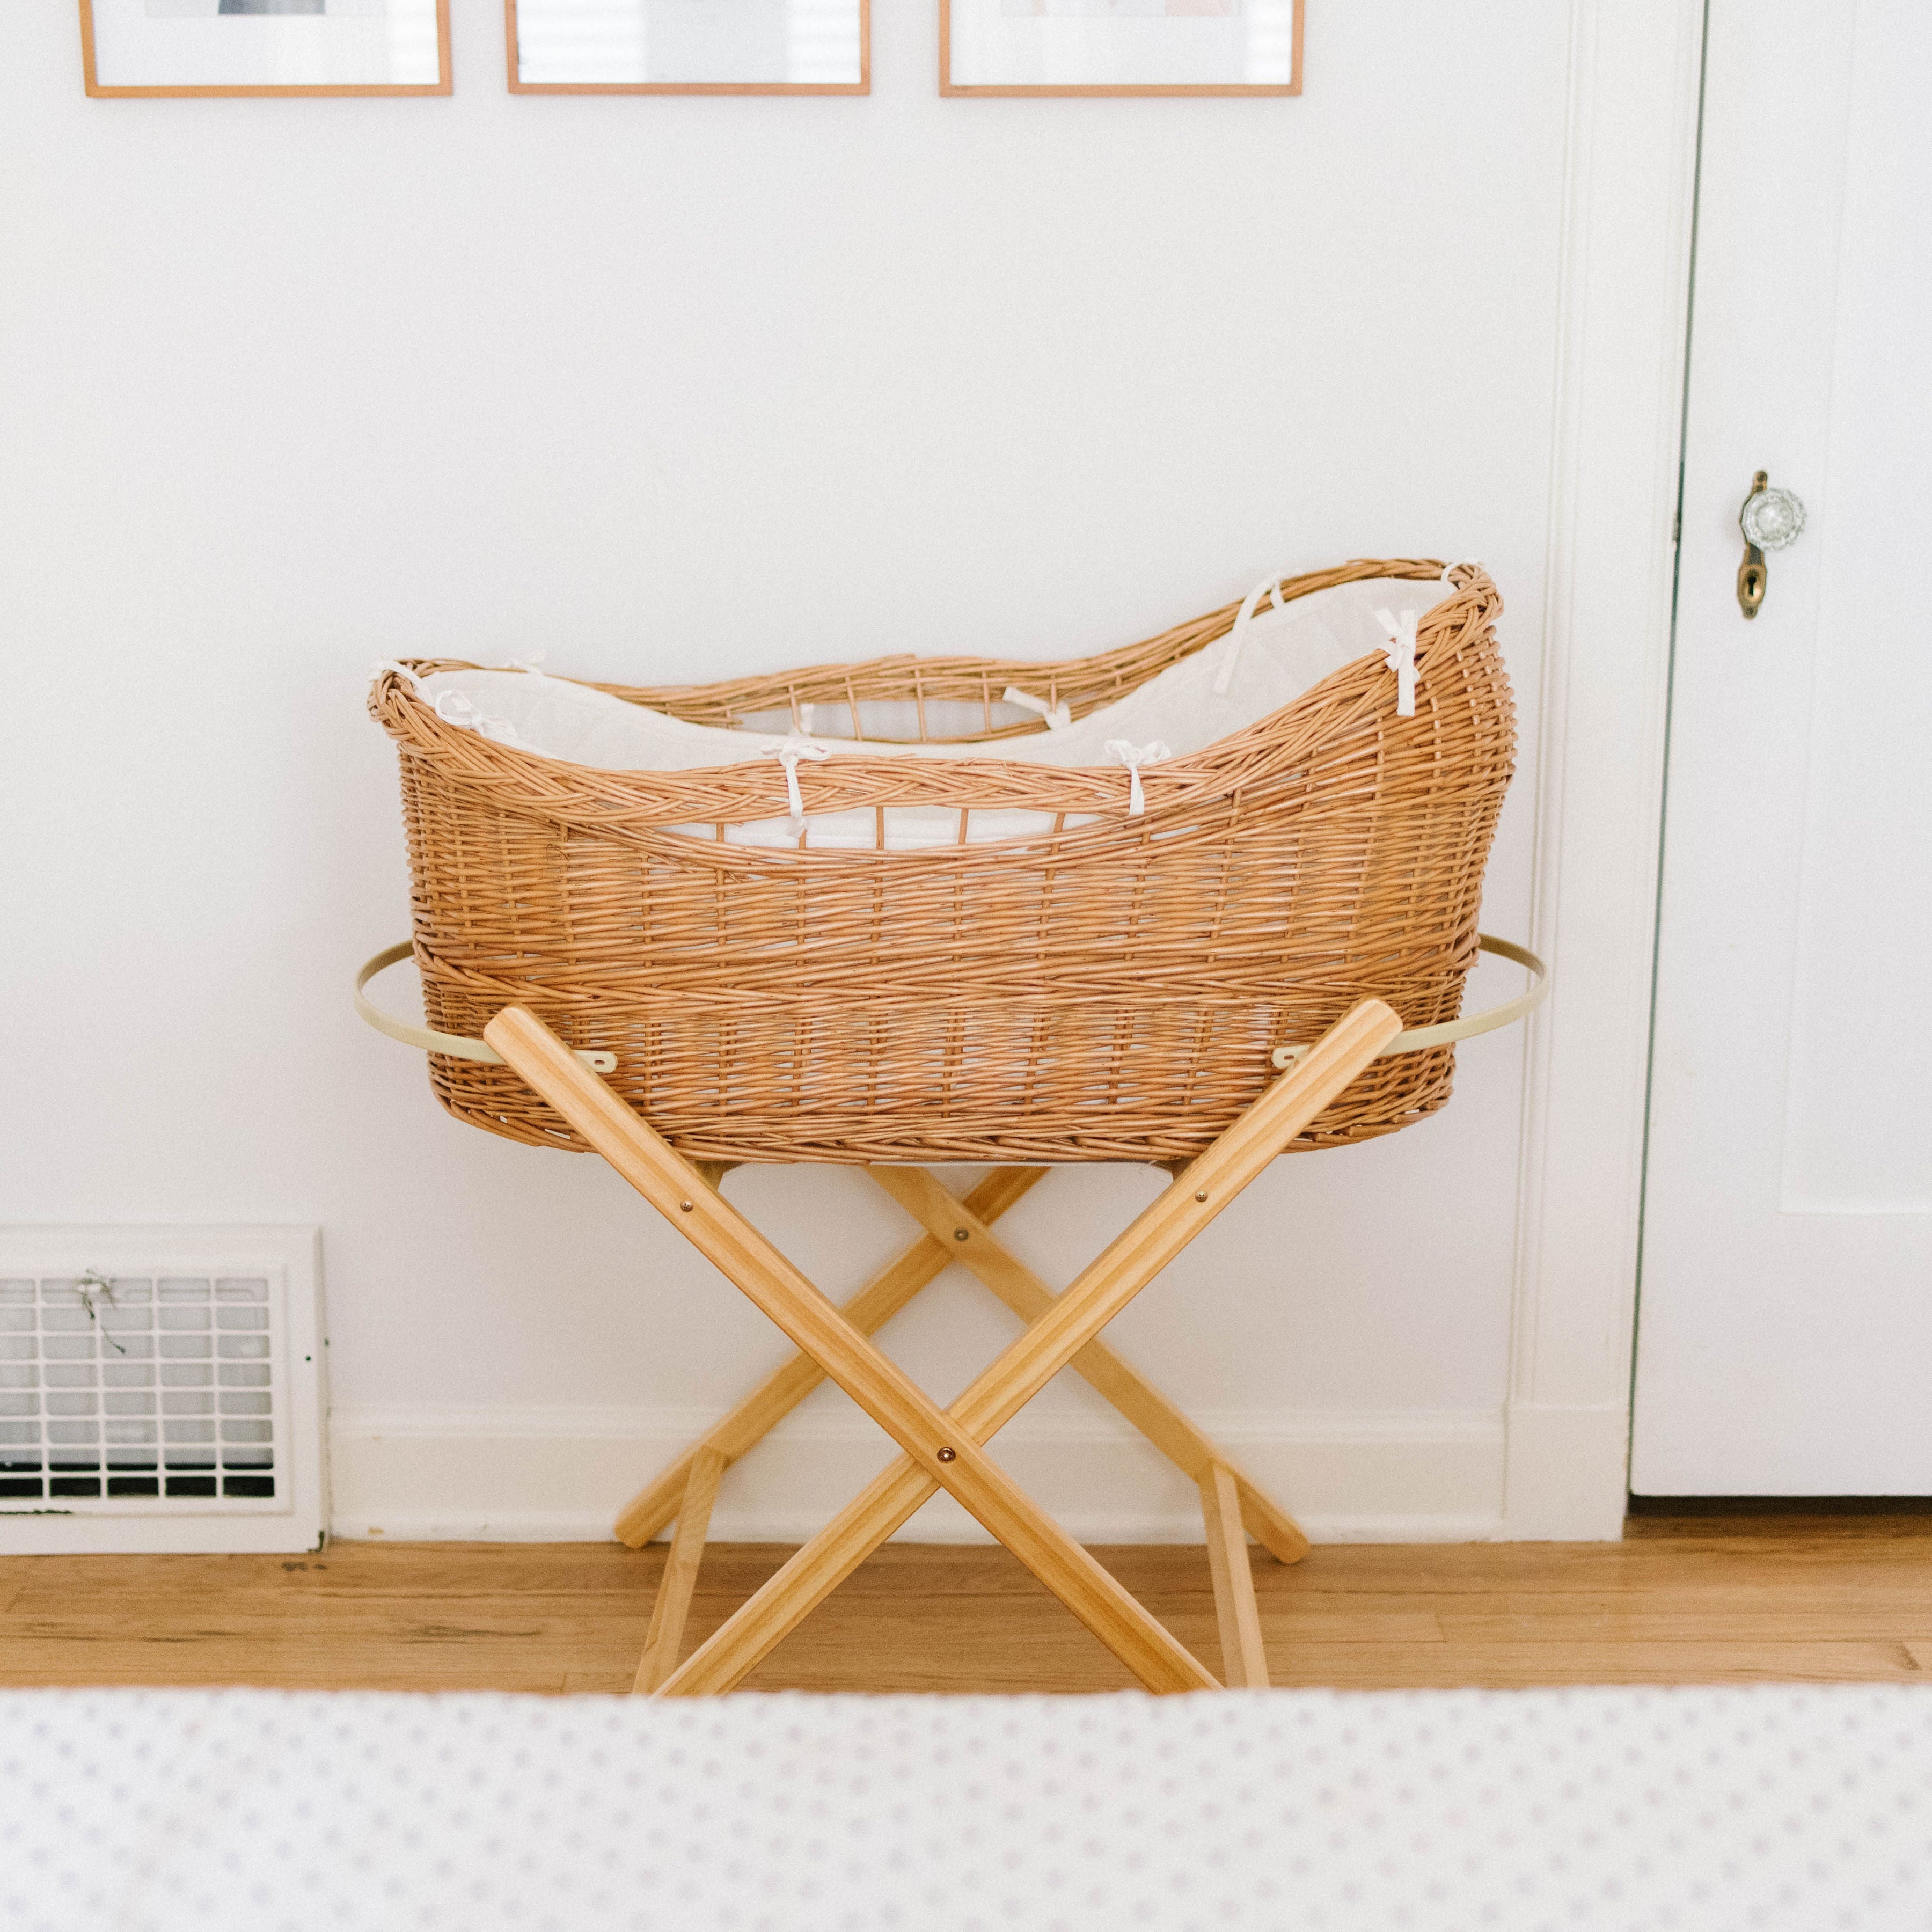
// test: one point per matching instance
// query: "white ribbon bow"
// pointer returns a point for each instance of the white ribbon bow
(1400, 654)
(453, 708)
(401, 671)
(1133, 757)
(1058, 716)
(1465, 563)
(1268, 587)
(788, 750)
(532, 664)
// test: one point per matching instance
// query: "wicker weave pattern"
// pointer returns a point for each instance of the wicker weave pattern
(1110, 991)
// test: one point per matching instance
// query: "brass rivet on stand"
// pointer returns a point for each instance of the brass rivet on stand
(961, 1234)
(949, 1455)
(684, 1206)
(1202, 1195)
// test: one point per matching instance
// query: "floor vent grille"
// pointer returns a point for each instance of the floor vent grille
(115, 1387)
(157, 1378)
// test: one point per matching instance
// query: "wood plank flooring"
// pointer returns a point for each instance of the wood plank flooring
(1684, 1599)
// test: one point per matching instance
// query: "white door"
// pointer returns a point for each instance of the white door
(1784, 1334)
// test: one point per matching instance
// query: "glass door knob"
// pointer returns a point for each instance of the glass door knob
(1771, 518)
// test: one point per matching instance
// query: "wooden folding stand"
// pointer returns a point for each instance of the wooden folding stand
(944, 1448)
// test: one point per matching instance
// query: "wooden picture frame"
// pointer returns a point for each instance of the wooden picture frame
(949, 86)
(98, 90)
(518, 84)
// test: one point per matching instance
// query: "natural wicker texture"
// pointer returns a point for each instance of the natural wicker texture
(1110, 991)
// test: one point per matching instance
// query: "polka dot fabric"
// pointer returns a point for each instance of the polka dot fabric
(1750, 1810)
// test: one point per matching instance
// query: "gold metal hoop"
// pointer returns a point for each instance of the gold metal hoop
(1417, 1038)
(457, 1046)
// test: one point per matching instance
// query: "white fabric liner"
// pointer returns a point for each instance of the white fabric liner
(1766, 1808)
(1282, 651)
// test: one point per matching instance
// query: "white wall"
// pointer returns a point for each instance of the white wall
(673, 388)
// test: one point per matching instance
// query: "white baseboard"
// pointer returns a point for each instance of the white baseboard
(561, 1474)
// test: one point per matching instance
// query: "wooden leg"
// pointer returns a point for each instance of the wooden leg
(948, 1454)
(1270, 1525)
(666, 1637)
(969, 1235)
(1076, 1317)
(943, 1449)
(874, 1305)
(1243, 1661)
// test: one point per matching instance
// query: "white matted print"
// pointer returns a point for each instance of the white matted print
(689, 46)
(1119, 46)
(137, 47)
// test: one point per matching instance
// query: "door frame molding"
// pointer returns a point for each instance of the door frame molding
(1635, 76)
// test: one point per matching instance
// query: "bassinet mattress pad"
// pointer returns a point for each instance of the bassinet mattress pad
(1769, 1808)
(1269, 659)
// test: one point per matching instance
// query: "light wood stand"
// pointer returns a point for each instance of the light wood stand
(944, 1448)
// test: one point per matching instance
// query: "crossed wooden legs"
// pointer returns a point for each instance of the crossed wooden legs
(943, 1448)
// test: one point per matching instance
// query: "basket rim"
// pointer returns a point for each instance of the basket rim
(645, 806)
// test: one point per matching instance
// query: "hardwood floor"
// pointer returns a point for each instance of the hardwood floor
(1685, 1598)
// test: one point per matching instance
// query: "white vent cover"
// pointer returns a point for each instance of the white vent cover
(160, 1389)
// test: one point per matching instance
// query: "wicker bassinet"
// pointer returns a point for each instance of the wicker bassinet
(1110, 991)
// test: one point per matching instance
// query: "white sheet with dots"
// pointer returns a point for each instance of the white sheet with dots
(1739, 1810)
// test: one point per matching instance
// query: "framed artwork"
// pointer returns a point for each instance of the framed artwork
(1119, 46)
(689, 46)
(133, 48)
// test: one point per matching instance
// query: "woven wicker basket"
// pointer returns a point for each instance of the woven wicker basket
(1111, 991)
